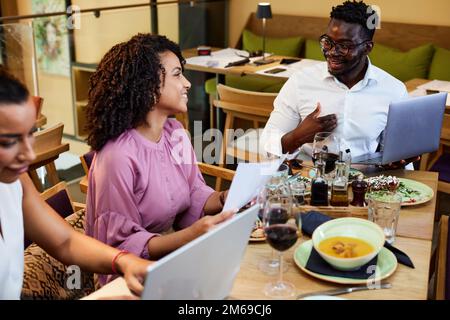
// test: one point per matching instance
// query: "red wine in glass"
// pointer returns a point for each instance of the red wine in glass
(281, 236)
(277, 216)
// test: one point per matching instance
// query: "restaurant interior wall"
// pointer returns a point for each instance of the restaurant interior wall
(433, 12)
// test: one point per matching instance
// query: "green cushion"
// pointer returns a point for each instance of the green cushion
(210, 86)
(246, 83)
(313, 50)
(250, 83)
(440, 65)
(414, 63)
(280, 46)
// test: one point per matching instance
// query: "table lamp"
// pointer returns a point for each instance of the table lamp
(264, 12)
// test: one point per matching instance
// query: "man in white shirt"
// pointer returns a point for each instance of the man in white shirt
(346, 94)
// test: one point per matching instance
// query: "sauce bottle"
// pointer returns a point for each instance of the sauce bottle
(319, 185)
(339, 189)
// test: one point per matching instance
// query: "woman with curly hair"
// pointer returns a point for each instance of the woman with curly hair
(144, 179)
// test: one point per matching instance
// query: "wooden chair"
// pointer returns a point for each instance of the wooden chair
(86, 162)
(41, 120)
(247, 105)
(215, 171)
(48, 146)
(58, 197)
(440, 161)
(442, 260)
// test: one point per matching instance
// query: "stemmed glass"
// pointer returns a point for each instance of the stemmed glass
(276, 185)
(326, 146)
(281, 231)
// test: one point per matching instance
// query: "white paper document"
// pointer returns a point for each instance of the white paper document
(290, 68)
(436, 85)
(248, 180)
(220, 58)
(422, 92)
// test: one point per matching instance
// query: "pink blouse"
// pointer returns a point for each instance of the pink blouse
(139, 189)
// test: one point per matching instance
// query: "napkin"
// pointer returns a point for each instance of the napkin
(312, 219)
(318, 265)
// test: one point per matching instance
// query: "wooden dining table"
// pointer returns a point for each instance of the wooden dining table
(414, 236)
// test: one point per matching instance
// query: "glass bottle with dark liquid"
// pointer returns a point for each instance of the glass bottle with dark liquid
(339, 189)
(359, 189)
(319, 186)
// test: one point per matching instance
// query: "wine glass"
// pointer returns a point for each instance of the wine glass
(298, 189)
(281, 232)
(326, 146)
(269, 265)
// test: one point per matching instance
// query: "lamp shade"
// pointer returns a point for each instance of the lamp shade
(263, 11)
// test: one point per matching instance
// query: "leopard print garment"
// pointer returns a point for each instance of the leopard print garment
(45, 278)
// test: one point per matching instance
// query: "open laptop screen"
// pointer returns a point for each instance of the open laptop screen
(206, 267)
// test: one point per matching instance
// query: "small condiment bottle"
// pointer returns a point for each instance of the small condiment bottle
(319, 186)
(339, 189)
(359, 189)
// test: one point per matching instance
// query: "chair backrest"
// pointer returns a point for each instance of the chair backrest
(443, 261)
(59, 199)
(48, 142)
(38, 101)
(428, 160)
(86, 160)
(249, 105)
(41, 120)
(445, 132)
(48, 146)
(215, 171)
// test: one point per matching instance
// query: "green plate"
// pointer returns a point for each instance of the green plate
(423, 192)
(386, 265)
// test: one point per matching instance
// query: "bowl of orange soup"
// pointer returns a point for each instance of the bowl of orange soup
(348, 243)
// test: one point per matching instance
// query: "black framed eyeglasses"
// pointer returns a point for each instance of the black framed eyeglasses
(343, 49)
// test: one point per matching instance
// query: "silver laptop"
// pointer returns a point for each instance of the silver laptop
(206, 267)
(413, 128)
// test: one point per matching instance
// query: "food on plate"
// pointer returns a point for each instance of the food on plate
(258, 233)
(353, 174)
(383, 183)
(345, 247)
(258, 230)
(408, 195)
(392, 183)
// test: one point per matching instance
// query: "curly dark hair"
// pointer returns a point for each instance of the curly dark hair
(12, 91)
(126, 86)
(356, 12)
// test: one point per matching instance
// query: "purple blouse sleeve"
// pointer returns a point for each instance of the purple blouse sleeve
(117, 218)
(199, 190)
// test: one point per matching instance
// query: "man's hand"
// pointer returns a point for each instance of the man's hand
(306, 129)
(400, 164)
